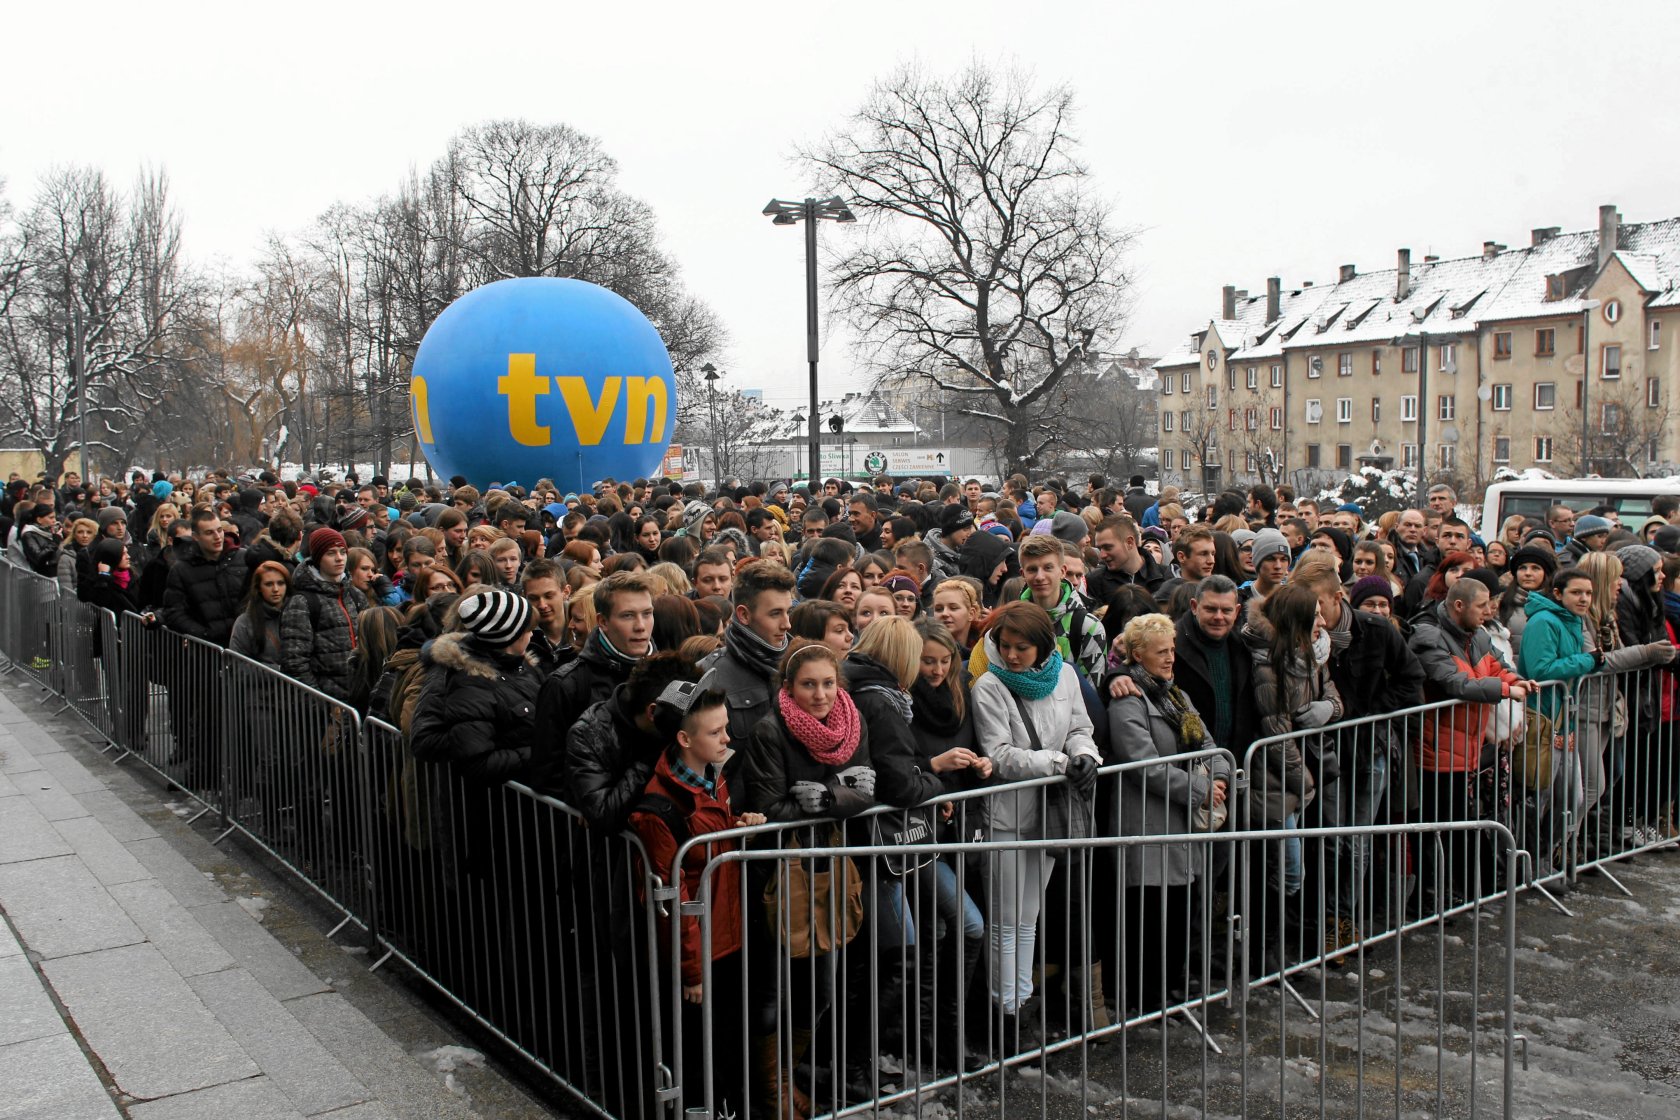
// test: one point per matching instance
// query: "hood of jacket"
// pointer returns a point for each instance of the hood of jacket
(1539, 603)
(1256, 632)
(308, 578)
(453, 651)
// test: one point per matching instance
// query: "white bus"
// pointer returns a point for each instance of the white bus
(1630, 497)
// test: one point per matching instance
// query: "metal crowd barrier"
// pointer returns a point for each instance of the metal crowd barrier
(1628, 756)
(783, 1035)
(171, 700)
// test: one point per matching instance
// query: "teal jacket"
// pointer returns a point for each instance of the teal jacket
(1553, 649)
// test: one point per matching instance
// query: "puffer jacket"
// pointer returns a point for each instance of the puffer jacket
(1285, 784)
(608, 762)
(1458, 666)
(476, 711)
(564, 696)
(318, 631)
(1064, 732)
(39, 550)
(202, 596)
(701, 813)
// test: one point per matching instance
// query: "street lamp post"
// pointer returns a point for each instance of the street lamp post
(711, 396)
(798, 421)
(1587, 308)
(810, 211)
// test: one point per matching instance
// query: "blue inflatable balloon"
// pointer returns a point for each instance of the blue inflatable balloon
(540, 377)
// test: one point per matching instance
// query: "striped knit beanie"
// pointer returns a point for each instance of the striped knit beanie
(495, 618)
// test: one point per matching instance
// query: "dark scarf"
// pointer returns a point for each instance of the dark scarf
(1174, 706)
(935, 708)
(752, 650)
(622, 661)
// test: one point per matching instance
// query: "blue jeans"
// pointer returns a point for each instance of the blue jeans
(1351, 800)
(1294, 870)
(951, 908)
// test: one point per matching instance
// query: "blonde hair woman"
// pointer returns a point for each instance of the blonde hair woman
(676, 580)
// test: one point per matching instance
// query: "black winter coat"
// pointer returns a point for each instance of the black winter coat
(980, 554)
(476, 712)
(775, 760)
(318, 631)
(608, 763)
(563, 697)
(1190, 673)
(1378, 672)
(101, 591)
(902, 774)
(202, 596)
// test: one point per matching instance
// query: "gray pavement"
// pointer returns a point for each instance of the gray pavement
(145, 973)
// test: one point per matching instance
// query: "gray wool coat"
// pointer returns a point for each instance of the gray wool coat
(1157, 800)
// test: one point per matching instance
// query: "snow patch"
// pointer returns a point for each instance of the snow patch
(447, 1059)
(254, 906)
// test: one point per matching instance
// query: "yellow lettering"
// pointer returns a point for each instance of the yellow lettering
(589, 419)
(522, 387)
(638, 391)
(422, 414)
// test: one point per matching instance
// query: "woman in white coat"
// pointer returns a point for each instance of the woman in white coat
(1030, 720)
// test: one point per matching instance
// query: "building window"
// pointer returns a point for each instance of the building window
(1344, 410)
(1231, 374)
(1277, 377)
(1542, 449)
(1656, 334)
(1312, 454)
(1184, 382)
(1653, 393)
(1554, 287)
(1408, 456)
(1449, 456)
(1376, 361)
(1315, 410)
(1213, 396)
(1501, 449)
(1344, 365)
(1449, 357)
(1254, 377)
(1376, 409)
(1502, 344)
(1502, 398)
(1248, 462)
(1166, 421)
(1445, 406)
(1277, 419)
(1653, 453)
(1611, 367)
(1315, 366)
(1231, 419)
(1408, 409)
(1184, 421)
(1580, 391)
(1251, 419)
(1545, 396)
(1545, 342)
(1409, 360)
(1344, 456)
(1611, 414)
(1185, 460)
(1167, 385)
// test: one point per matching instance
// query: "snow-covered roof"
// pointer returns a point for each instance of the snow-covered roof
(1443, 297)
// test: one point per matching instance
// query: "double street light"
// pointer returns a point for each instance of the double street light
(810, 211)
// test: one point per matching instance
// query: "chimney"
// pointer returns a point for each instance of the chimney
(1242, 296)
(1228, 302)
(1430, 258)
(1490, 249)
(1274, 298)
(1306, 284)
(1403, 276)
(1609, 232)
(1543, 234)
(1348, 273)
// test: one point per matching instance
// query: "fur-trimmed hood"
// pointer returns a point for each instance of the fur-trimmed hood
(458, 653)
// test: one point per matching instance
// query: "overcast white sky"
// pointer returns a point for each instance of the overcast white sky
(1240, 140)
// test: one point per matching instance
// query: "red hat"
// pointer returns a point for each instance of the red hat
(321, 541)
(307, 488)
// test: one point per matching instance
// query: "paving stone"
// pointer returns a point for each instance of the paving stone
(119, 819)
(71, 774)
(394, 1078)
(372, 1110)
(48, 794)
(26, 834)
(9, 946)
(26, 1011)
(256, 1099)
(104, 855)
(59, 908)
(188, 947)
(8, 788)
(153, 1034)
(312, 1079)
(15, 758)
(254, 949)
(50, 1079)
(186, 882)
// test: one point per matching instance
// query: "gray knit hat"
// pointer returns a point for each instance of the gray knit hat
(495, 618)
(1267, 542)
(1069, 526)
(109, 516)
(1638, 562)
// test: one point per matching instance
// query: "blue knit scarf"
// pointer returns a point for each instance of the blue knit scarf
(1034, 684)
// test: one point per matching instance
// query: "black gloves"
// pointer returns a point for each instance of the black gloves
(1082, 772)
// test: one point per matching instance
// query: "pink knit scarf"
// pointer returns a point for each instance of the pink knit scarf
(830, 741)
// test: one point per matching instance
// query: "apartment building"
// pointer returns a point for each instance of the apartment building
(1561, 354)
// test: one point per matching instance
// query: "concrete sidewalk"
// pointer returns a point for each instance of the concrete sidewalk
(144, 973)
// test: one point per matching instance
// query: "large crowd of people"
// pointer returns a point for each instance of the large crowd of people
(680, 661)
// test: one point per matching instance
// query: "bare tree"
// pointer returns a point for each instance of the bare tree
(985, 264)
(1623, 435)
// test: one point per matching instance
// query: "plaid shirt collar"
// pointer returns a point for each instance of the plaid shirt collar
(682, 773)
